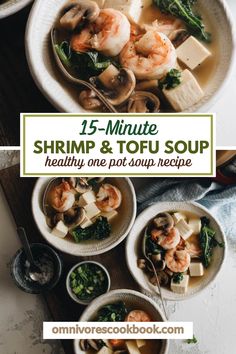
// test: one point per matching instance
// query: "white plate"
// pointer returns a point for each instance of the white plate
(65, 98)
(132, 298)
(120, 228)
(133, 248)
(10, 7)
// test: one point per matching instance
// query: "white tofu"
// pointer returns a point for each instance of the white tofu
(86, 223)
(131, 8)
(186, 94)
(105, 350)
(109, 215)
(140, 343)
(87, 198)
(192, 53)
(196, 269)
(184, 229)
(91, 210)
(132, 347)
(60, 230)
(178, 216)
(196, 225)
(182, 287)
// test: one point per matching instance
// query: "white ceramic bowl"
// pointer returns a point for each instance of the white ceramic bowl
(10, 7)
(65, 98)
(132, 299)
(134, 248)
(120, 227)
(68, 287)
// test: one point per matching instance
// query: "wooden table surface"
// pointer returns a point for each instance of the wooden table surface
(18, 193)
(18, 92)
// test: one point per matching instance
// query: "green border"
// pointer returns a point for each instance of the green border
(175, 115)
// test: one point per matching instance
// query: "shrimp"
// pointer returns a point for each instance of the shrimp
(108, 34)
(167, 240)
(193, 249)
(138, 316)
(150, 57)
(108, 198)
(177, 261)
(61, 198)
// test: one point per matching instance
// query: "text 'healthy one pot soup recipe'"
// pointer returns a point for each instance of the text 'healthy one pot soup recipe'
(140, 56)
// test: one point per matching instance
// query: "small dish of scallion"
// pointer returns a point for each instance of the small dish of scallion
(86, 281)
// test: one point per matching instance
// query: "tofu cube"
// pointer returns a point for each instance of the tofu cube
(140, 343)
(178, 216)
(130, 8)
(132, 347)
(196, 225)
(109, 215)
(184, 229)
(91, 210)
(182, 287)
(86, 223)
(196, 269)
(192, 53)
(105, 350)
(186, 94)
(87, 198)
(60, 230)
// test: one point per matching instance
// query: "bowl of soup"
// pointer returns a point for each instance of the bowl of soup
(184, 244)
(122, 305)
(141, 56)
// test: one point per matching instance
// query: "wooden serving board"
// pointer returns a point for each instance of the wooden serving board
(18, 193)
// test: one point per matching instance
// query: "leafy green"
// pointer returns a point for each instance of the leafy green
(207, 242)
(171, 80)
(183, 9)
(112, 312)
(177, 278)
(88, 281)
(85, 64)
(192, 341)
(152, 247)
(100, 230)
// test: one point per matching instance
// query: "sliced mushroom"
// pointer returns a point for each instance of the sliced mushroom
(82, 185)
(179, 36)
(162, 277)
(143, 102)
(169, 272)
(74, 217)
(156, 258)
(76, 11)
(164, 221)
(89, 100)
(160, 265)
(116, 85)
(84, 346)
(147, 85)
(54, 219)
(141, 263)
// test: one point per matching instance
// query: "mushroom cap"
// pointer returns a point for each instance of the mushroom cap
(179, 36)
(76, 11)
(82, 185)
(116, 85)
(143, 102)
(164, 221)
(74, 217)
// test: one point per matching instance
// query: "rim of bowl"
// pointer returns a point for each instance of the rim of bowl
(57, 277)
(204, 107)
(10, 8)
(222, 264)
(130, 292)
(68, 288)
(94, 253)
